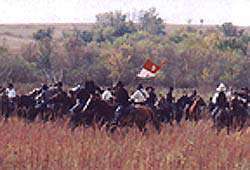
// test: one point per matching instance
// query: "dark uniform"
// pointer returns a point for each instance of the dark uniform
(170, 97)
(82, 96)
(152, 98)
(122, 97)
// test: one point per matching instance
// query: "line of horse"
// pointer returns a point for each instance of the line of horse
(101, 113)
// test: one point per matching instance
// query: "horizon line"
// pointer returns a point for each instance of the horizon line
(78, 23)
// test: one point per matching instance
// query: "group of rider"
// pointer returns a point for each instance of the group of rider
(119, 96)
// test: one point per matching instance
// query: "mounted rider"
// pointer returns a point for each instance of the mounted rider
(11, 92)
(140, 96)
(11, 96)
(122, 100)
(43, 98)
(169, 97)
(151, 100)
(107, 95)
(92, 88)
(219, 99)
(84, 96)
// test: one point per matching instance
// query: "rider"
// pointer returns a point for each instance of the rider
(170, 98)
(161, 101)
(219, 99)
(92, 88)
(11, 95)
(107, 95)
(193, 96)
(151, 100)
(59, 86)
(43, 97)
(140, 96)
(184, 100)
(11, 92)
(122, 97)
(85, 95)
(244, 94)
(82, 97)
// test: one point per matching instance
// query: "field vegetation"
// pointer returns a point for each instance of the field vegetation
(54, 146)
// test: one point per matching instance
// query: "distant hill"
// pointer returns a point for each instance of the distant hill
(15, 36)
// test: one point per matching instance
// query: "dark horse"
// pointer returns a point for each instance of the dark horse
(26, 105)
(96, 111)
(239, 112)
(102, 113)
(223, 119)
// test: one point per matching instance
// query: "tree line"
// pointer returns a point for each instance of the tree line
(116, 48)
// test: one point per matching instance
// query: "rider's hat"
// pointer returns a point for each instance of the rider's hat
(221, 88)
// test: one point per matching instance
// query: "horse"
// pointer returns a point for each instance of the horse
(7, 106)
(166, 112)
(61, 102)
(195, 109)
(222, 119)
(140, 116)
(181, 105)
(239, 110)
(100, 112)
(95, 111)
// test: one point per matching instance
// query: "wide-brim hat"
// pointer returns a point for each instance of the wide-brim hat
(221, 88)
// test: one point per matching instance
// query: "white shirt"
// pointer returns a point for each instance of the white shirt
(107, 95)
(214, 99)
(11, 93)
(139, 96)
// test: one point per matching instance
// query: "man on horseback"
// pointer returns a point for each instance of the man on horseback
(122, 100)
(11, 92)
(92, 88)
(107, 95)
(219, 99)
(169, 97)
(11, 96)
(43, 97)
(151, 100)
(140, 96)
(84, 96)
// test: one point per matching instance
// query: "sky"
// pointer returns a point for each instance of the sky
(77, 11)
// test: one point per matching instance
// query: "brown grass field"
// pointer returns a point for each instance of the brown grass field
(54, 146)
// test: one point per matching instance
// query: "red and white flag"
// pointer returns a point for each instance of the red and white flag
(149, 69)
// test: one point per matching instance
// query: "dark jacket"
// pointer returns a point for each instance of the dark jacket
(122, 96)
(222, 100)
(170, 98)
(152, 99)
(83, 95)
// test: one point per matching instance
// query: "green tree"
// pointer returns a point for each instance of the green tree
(150, 21)
(44, 41)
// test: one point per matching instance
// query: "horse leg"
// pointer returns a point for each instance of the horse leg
(242, 122)
(178, 117)
(187, 116)
(141, 126)
(157, 125)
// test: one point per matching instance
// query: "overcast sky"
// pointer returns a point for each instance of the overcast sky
(172, 11)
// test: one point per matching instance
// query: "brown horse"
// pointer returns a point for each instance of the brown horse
(195, 109)
(140, 116)
(62, 103)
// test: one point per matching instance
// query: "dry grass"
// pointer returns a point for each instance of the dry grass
(53, 146)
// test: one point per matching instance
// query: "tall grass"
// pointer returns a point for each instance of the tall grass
(54, 146)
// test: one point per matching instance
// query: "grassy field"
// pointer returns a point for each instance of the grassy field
(53, 146)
